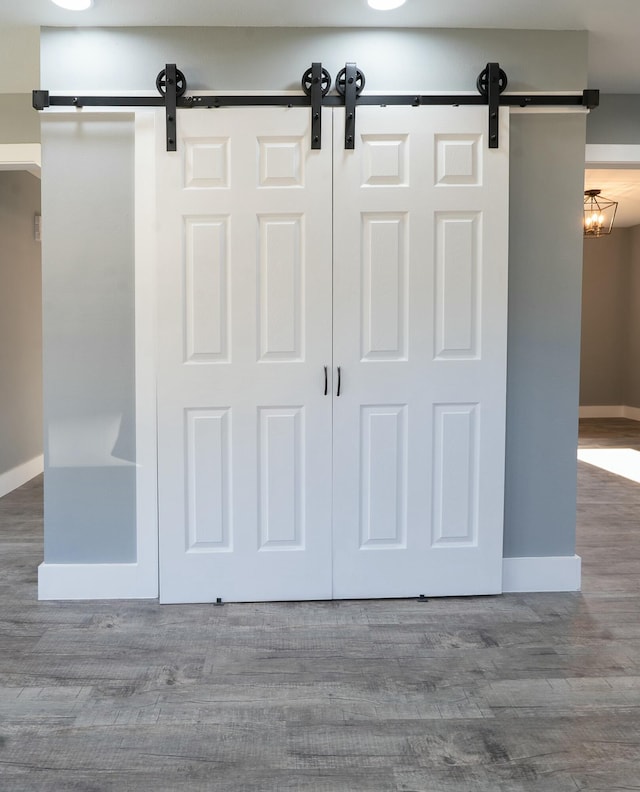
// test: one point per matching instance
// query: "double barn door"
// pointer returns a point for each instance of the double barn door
(332, 355)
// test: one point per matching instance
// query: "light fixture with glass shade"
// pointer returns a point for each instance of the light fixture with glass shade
(74, 5)
(385, 5)
(599, 213)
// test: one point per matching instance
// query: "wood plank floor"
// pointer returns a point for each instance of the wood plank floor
(489, 694)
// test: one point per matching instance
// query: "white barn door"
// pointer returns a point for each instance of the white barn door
(244, 318)
(420, 330)
(268, 488)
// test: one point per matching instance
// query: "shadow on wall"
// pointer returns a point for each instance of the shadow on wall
(93, 441)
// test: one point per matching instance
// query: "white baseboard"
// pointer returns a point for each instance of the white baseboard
(553, 573)
(610, 411)
(604, 411)
(95, 581)
(126, 581)
(18, 476)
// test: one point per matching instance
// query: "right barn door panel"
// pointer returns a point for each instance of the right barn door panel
(420, 335)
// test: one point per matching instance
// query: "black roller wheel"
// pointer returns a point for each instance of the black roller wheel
(181, 83)
(481, 82)
(341, 82)
(307, 82)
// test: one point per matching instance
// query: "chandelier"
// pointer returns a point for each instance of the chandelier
(599, 213)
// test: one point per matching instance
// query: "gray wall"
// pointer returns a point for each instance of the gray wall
(545, 269)
(545, 272)
(605, 315)
(617, 120)
(20, 321)
(275, 58)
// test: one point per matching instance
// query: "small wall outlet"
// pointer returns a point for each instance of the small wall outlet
(37, 228)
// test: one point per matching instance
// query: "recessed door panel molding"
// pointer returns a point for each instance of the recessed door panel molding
(207, 289)
(208, 480)
(455, 474)
(383, 465)
(385, 160)
(458, 159)
(282, 478)
(206, 163)
(281, 287)
(384, 286)
(281, 161)
(458, 283)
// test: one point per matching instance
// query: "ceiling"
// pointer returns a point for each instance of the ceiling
(614, 54)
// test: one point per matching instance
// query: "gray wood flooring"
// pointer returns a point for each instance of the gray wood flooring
(490, 694)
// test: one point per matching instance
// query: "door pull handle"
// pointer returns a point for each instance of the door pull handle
(326, 381)
(339, 378)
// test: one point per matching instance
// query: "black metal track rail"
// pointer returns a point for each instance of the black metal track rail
(316, 82)
(508, 100)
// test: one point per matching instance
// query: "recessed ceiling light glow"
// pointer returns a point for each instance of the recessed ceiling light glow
(385, 5)
(74, 5)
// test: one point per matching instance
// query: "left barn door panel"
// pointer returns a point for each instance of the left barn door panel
(244, 330)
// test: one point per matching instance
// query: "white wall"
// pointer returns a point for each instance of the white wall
(89, 376)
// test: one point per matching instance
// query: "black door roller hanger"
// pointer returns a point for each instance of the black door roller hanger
(316, 84)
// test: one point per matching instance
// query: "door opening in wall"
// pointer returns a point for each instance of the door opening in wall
(609, 437)
(609, 385)
(20, 317)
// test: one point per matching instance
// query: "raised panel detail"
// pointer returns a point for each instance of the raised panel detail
(206, 163)
(455, 474)
(383, 466)
(207, 289)
(208, 482)
(457, 285)
(384, 286)
(280, 293)
(281, 478)
(281, 162)
(385, 160)
(458, 160)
